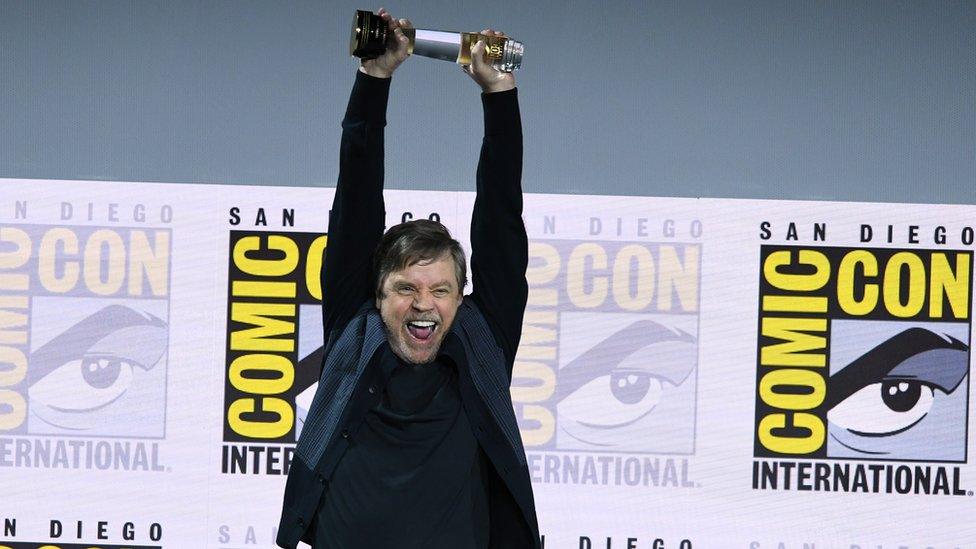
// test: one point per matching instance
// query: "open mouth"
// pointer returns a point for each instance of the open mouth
(422, 330)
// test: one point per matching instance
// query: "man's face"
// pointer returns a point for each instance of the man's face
(418, 307)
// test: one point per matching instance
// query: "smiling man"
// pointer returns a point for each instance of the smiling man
(420, 274)
(411, 440)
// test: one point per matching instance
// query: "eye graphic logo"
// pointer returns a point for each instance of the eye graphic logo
(904, 398)
(608, 358)
(103, 374)
(863, 354)
(84, 321)
(631, 391)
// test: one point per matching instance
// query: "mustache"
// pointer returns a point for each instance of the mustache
(425, 318)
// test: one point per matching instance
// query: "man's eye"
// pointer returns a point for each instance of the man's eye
(440, 292)
(405, 290)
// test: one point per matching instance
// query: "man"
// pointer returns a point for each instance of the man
(411, 440)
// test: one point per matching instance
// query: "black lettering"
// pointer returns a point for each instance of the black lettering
(791, 233)
(866, 233)
(235, 217)
(256, 452)
(764, 232)
(803, 477)
(820, 231)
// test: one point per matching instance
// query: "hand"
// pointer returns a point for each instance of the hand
(396, 49)
(489, 79)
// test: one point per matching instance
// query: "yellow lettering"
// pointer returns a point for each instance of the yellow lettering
(13, 366)
(313, 266)
(846, 283)
(20, 255)
(48, 260)
(644, 280)
(16, 409)
(153, 261)
(794, 304)
(543, 273)
(263, 288)
(794, 351)
(266, 267)
(916, 285)
(789, 377)
(797, 282)
(683, 279)
(547, 425)
(93, 268)
(953, 285)
(12, 320)
(262, 336)
(576, 275)
(540, 372)
(261, 429)
(792, 445)
(262, 363)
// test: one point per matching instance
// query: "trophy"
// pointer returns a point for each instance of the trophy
(369, 34)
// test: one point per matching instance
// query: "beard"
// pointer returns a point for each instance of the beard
(410, 350)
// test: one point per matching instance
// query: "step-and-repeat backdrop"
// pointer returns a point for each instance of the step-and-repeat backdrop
(692, 373)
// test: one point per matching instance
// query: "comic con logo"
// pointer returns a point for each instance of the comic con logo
(274, 346)
(863, 354)
(84, 326)
(607, 362)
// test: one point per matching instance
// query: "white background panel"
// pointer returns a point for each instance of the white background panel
(713, 503)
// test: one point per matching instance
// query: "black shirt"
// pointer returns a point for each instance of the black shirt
(412, 474)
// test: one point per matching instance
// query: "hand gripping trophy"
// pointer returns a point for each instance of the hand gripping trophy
(369, 34)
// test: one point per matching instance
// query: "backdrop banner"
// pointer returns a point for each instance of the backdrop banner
(693, 373)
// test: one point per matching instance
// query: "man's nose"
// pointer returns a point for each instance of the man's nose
(423, 301)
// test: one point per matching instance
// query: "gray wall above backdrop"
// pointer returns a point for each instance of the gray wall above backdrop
(860, 101)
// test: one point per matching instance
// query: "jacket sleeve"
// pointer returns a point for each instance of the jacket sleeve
(499, 246)
(357, 218)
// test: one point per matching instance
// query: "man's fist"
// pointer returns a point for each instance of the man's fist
(396, 48)
(489, 79)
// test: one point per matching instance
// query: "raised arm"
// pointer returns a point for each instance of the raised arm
(356, 220)
(499, 254)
